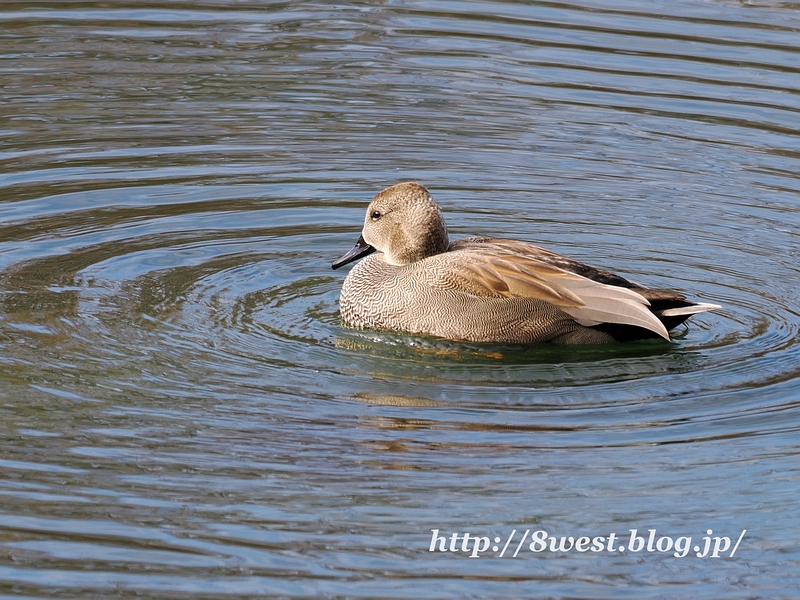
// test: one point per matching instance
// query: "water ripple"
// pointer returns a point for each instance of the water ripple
(185, 414)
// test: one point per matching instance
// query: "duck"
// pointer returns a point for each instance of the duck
(412, 279)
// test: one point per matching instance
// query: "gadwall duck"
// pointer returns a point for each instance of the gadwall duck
(483, 289)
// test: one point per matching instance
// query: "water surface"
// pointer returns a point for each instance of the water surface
(183, 413)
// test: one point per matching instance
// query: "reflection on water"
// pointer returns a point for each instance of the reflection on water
(183, 413)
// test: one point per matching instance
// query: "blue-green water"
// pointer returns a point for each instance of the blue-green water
(182, 413)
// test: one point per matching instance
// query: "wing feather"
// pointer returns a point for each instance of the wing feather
(496, 271)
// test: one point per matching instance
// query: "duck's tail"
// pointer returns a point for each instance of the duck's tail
(671, 308)
(689, 310)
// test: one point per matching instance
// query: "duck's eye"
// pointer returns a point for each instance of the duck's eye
(376, 214)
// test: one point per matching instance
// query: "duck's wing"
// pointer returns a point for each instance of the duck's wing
(546, 256)
(489, 270)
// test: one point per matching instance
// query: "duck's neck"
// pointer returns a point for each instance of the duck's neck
(405, 252)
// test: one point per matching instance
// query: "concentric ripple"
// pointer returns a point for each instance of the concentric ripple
(184, 413)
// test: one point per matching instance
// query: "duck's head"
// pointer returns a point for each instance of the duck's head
(404, 223)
